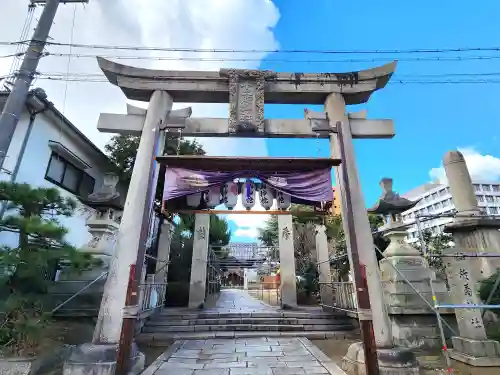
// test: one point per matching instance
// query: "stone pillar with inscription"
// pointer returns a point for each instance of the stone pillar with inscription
(472, 346)
(198, 281)
(474, 234)
(413, 323)
(287, 261)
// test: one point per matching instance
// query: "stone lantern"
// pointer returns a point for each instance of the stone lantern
(104, 222)
(390, 206)
(413, 323)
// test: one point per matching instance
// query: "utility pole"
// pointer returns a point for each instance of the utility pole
(17, 98)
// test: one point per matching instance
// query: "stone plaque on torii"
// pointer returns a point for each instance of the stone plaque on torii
(246, 91)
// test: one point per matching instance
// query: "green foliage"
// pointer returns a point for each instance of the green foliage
(486, 288)
(268, 235)
(435, 244)
(122, 150)
(219, 234)
(31, 214)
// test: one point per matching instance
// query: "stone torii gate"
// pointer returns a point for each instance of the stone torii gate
(246, 91)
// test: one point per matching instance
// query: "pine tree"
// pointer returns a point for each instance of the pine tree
(32, 218)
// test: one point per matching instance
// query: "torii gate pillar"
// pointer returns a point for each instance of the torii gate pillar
(102, 351)
(390, 358)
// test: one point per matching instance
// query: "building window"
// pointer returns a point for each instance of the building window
(442, 192)
(489, 199)
(434, 196)
(480, 198)
(486, 187)
(493, 210)
(496, 188)
(477, 187)
(65, 175)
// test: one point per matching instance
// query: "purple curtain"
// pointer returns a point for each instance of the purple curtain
(309, 186)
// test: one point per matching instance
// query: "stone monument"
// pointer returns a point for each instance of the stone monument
(413, 322)
(472, 233)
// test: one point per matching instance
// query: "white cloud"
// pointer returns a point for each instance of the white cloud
(250, 233)
(481, 167)
(197, 24)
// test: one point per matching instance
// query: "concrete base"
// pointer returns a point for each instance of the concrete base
(394, 361)
(17, 366)
(480, 353)
(92, 359)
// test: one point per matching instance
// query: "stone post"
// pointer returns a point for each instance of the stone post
(199, 263)
(336, 111)
(472, 346)
(245, 278)
(163, 255)
(287, 261)
(471, 234)
(323, 265)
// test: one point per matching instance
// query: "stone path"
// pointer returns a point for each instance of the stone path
(256, 356)
(238, 301)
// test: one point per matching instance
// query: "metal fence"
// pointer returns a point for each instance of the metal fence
(152, 296)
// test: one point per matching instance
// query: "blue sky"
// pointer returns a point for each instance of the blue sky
(430, 119)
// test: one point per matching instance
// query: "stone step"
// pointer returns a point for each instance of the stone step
(278, 314)
(163, 321)
(77, 313)
(165, 339)
(247, 327)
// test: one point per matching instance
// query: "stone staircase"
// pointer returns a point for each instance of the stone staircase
(186, 324)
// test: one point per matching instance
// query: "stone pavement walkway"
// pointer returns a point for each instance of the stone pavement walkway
(256, 356)
(238, 301)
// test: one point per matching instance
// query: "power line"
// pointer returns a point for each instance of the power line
(308, 61)
(396, 76)
(308, 51)
(393, 82)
